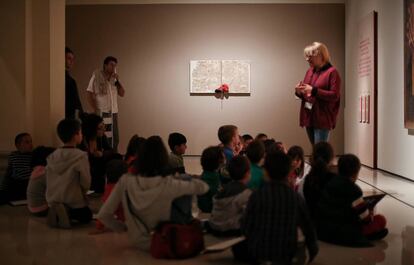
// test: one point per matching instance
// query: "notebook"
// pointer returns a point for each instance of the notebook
(223, 245)
(372, 200)
(18, 203)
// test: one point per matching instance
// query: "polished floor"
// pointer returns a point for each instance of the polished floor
(27, 240)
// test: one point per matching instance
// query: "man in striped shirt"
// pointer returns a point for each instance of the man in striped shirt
(18, 169)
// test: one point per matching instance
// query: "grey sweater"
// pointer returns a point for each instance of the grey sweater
(150, 199)
(68, 177)
(229, 206)
(36, 190)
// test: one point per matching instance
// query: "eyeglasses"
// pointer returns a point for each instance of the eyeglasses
(308, 57)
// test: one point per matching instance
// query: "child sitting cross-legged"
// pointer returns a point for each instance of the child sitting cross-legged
(229, 204)
(114, 170)
(277, 225)
(178, 144)
(246, 139)
(147, 197)
(320, 174)
(256, 152)
(229, 138)
(343, 216)
(17, 176)
(36, 190)
(211, 159)
(300, 168)
(135, 144)
(96, 144)
(68, 179)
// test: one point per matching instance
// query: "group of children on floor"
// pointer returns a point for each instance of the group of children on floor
(250, 187)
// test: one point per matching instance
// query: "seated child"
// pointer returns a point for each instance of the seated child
(300, 168)
(319, 176)
(238, 148)
(270, 145)
(229, 138)
(229, 204)
(114, 170)
(343, 216)
(19, 169)
(211, 159)
(261, 137)
(36, 190)
(131, 152)
(256, 152)
(275, 216)
(134, 145)
(246, 140)
(96, 144)
(178, 144)
(147, 197)
(181, 211)
(280, 147)
(68, 178)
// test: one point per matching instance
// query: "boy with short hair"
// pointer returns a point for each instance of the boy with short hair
(211, 160)
(19, 169)
(246, 139)
(181, 211)
(229, 138)
(256, 152)
(68, 178)
(261, 137)
(275, 218)
(343, 217)
(229, 204)
(178, 144)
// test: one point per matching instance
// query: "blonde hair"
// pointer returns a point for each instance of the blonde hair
(317, 48)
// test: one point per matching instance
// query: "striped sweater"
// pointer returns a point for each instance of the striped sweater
(19, 166)
(273, 215)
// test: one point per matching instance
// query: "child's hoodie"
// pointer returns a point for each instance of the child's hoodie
(229, 206)
(68, 177)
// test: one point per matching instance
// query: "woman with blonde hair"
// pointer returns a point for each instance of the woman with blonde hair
(320, 94)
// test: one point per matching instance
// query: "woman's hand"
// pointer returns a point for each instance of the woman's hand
(298, 88)
(306, 89)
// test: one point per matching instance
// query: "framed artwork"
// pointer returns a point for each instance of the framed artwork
(408, 64)
(208, 75)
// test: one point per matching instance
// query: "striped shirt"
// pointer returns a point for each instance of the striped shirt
(273, 215)
(19, 166)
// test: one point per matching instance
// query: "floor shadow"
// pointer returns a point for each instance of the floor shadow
(407, 255)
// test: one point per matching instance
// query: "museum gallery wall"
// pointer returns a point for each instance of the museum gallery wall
(155, 45)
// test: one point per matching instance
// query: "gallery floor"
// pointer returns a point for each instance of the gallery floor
(27, 240)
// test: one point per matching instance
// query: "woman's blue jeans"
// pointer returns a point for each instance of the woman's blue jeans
(317, 135)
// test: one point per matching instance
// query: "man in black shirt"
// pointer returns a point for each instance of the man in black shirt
(72, 101)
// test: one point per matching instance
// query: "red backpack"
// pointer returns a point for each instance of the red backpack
(173, 241)
(177, 241)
